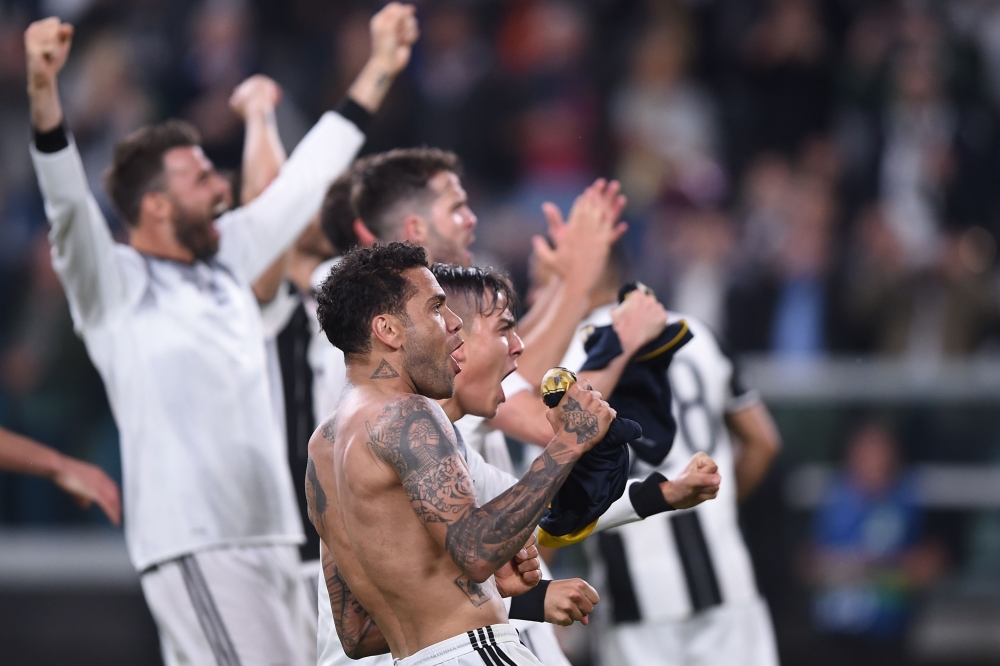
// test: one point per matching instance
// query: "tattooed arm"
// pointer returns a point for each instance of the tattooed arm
(414, 436)
(358, 633)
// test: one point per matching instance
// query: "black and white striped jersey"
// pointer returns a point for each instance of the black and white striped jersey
(671, 566)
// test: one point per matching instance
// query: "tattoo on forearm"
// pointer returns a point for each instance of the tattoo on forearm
(357, 630)
(383, 80)
(413, 436)
(579, 421)
(385, 371)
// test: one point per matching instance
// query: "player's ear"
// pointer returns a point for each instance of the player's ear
(414, 229)
(388, 329)
(365, 237)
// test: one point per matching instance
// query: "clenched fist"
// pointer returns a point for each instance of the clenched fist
(582, 416)
(521, 573)
(637, 321)
(569, 601)
(258, 93)
(697, 483)
(394, 31)
(46, 45)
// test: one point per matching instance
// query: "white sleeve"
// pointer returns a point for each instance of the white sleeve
(621, 512)
(254, 235)
(83, 251)
(276, 313)
(490, 481)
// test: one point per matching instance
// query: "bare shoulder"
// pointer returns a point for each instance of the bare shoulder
(407, 423)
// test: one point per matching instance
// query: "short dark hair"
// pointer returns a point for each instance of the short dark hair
(481, 288)
(365, 283)
(137, 165)
(395, 176)
(337, 215)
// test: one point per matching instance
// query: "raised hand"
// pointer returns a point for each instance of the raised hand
(582, 417)
(638, 320)
(88, 484)
(257, 94)
(394, 30)
(521, 573)
(583, 241)
(568, 601)
(46, 45)
(698, 483)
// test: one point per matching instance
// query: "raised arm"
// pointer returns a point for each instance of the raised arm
(263, 155)
(583, 244)
(83, 251)
(254, 236)
(414, 436)
(86, 483)
(359, 635)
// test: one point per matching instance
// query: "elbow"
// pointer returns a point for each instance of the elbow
(364, 649)
(479, 573)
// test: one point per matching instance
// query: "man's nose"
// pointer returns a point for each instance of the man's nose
(453, 321)
(517, 348)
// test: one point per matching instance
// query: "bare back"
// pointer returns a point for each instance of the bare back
(378, 533)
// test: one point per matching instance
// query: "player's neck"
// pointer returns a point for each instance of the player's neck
(451, 408)
(382, 372)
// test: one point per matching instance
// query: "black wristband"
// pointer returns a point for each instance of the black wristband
(356, 113)
(646, 496)
(531, 604)
(52, 141)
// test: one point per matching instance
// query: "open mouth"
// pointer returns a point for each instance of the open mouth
(454, 365)
(219, 208)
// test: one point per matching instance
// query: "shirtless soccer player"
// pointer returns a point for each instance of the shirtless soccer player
(394, 501)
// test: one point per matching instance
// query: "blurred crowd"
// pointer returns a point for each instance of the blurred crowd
(808, 177)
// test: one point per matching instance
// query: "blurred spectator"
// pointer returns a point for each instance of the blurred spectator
(869, 555)
(788, 302)
(948, 309)
(665, 123)
(787, 55)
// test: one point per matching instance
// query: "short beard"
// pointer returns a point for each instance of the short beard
(195, 232)
(431, 375)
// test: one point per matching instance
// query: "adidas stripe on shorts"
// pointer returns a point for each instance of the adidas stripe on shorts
(496, 645)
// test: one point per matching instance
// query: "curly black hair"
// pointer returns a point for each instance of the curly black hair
(365, 283)
(483, 289)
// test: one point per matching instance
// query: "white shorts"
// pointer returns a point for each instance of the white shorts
(732, 634)
(540, 638)
(238, 606)
(496, 645)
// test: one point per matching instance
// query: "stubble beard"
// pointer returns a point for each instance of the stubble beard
(195, 233)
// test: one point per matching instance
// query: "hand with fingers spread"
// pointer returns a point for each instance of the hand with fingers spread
(582, 416)
(698, 483)
(637, 321)
(583, 241)
(521, 573)
(257, 94)
(569, 601)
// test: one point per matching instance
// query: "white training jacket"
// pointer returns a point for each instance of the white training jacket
(181, 351)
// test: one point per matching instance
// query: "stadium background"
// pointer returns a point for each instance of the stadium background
(817, 180)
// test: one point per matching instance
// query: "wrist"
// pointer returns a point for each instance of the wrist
(382, 65)
(672, 493)
(53, 465)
